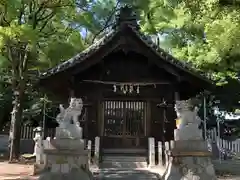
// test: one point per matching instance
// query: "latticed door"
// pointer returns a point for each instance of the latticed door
(124, 122)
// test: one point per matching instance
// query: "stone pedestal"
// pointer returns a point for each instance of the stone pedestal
(68, 144)
(189, 156)
(190, 160)
(65, 156)
(189, 131)
(66, 163)
(69, 131)
(63, 161)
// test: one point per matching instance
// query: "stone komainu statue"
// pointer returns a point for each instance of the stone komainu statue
(70, 115)
(187, 112)
(188, 128)
(69, 125)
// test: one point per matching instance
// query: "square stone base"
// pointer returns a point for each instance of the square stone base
(190, 168)
(66, 165)
(190, 160)
(68, 143)
(74, 174)
(63, 161)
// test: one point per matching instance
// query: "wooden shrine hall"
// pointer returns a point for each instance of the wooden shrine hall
(128, 85)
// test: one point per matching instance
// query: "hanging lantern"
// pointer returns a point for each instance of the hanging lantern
(125, 89)
(138, 90)
(122, 87)
(131, 88)
(114, 88)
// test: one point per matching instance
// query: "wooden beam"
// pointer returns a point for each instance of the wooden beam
(96, 57)
(141, 48)
(126, 83)
(137, 47)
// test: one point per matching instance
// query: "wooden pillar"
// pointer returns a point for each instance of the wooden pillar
(148, 119)
(86, 121)
(176, 96)
(100, 118)
(71, 85)
(72, 93)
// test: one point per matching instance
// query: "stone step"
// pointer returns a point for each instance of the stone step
(123, 174)
(132, 165)
(125, 158)
(125, 152)
(123, 162)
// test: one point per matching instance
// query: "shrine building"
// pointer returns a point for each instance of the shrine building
(128, 85)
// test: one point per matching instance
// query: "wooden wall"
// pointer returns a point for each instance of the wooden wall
(128, 69)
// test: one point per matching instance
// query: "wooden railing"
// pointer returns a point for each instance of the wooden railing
(162, 155)
(28, 133)
(233, 146)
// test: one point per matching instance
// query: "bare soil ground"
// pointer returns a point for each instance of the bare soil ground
(16, 171)
(24, 172)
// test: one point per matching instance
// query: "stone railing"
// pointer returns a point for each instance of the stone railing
(158, 156)
(151, 152)
(97, 151)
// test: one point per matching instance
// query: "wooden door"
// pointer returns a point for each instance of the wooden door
(124, 123)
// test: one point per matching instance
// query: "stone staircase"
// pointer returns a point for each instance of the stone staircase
(125, 174)
(123, 162)
(124, 166)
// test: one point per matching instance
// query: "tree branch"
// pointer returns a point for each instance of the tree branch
(4, 19)
(46, 21)
(44, 25)
(107, 21)
(47, 17)
(46, 35)
(43, 12)
(3, 13)
(21, 12)
(25, 59)
(81, 7)
(30, 6)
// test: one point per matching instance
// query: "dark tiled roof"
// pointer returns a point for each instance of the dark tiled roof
(183, 65)
(108, 37)
(80, 56)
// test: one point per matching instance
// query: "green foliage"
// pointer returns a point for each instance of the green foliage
(204, 33)
(35, 35)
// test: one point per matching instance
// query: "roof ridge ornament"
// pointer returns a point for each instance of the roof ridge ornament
(126, 15)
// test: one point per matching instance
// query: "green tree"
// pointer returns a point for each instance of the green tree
(203, 33)
(40, 34)
(27, 28)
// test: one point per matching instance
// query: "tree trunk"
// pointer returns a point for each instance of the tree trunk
(15, 130)
(1, 119)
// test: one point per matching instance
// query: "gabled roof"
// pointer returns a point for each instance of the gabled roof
(84, 55)
(80, 56)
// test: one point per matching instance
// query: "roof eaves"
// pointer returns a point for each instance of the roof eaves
(169, 58)
(80, 56)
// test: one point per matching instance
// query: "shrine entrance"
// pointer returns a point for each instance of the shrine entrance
(124, 123)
